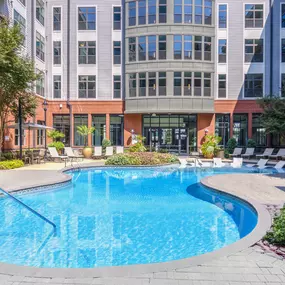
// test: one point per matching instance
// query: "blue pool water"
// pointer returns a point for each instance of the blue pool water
(122, 216)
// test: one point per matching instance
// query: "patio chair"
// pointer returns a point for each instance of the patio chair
(280, 153)
(199, 163)
(119, 149)
(278, 166)
(97, 152)
(218, 162)
(266, 153)
(109, 151)
(55, 156)
(237, 152)
(248, 153)
(69, 152)
(237, 162)
(260, 164)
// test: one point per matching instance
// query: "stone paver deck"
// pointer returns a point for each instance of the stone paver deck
(251, 266)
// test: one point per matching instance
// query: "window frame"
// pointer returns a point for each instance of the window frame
(87, 86)
(40, 50)
(224, 89)
(254, 19)
(116, 90)
(87, 22)
(226, 19)
(222, 55)
(53, 18)
(253, 55)
(57, 56)
(115, 56)
(40, 12)
(53, 86)
(86, 47)
(116, 21)
(245, 83)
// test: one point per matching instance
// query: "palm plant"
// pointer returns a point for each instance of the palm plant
(84, 131)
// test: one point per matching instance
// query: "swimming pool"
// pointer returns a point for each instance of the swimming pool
(123, 216)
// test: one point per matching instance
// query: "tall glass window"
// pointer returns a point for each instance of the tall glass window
(208, 12)
(222, 128)
(40, 46)
(258, 131)
(40, 84)
(40, 11)
(222, 51)
(116, 130)
(197, 84)
(177, 11)
(188, 49)
(117, 18)
(187, 83)
(198, 47)
(207, 48)
(79, 120)
(21, 21)
(177, 47)
(151, 47)
(99, 123)
(207, 84)
(188, 11)
(282, 15)
(253, 50)
(253, 85)
(254, 15)
(283, 85)
(132, 85)
(142, 12)
(223, 16)
(152, 84)
(283, 50)
(87, 52)
(62, 124)
(142, 84)
(199, 12)
(132, 13)
(151, 11)
(162, 11)
(57, 18)
(87, 18)
(162, 47)
(132, 49)
(240, 129)
(57, 86)
(162, 83)
(56, 52)
(177, 83)
(222, 86)
(86, 86)
(117, 52)
(117, 86)
(142, 48)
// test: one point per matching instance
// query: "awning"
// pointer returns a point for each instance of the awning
(30, 126)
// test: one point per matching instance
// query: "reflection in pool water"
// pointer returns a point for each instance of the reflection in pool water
(110, 217)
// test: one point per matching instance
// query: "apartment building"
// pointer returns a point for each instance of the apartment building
(171, 70)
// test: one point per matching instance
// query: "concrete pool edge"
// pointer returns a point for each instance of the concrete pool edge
(263, 224)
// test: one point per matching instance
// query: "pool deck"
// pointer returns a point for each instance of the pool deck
(248, 266)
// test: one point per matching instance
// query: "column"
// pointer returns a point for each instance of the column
(231, 125)
(249, 126)
(107, 126)
(89, 126)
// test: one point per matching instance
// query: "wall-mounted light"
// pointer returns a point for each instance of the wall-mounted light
(60, 106)
(132, 131)
(206, 131)
(153, 115)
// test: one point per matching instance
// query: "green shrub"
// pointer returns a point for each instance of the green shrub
(277, 233)
(163, 150)
(210, 146)
(231, 145)
(139, 146)
(251, 143)
(105, 143)
(7, 156)
(122, 159)
(11, 164)
(58, 145)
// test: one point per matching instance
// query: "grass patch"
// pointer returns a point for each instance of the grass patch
(11, 164)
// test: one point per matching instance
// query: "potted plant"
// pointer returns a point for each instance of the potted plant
(56, 136)
(210, 146)
(84, 131)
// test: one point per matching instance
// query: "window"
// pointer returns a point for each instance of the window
(222, 86)
(177, 83)
(132, 13)
(40, 48)
(222, 51)
(40, 134)
(207, 48)
(283, 50)
(86, 86)
(151, 47)
(188, 11)
(99, 123)
(152, 84)
(177, 47)
(208, 12)
(142, 84)
(258, 131)
(142, 48)
(79, 120)
(177, 11)
(197, 84)
(40, 84)
(162, 9)
(283, 85)
(40, 11)
(253, 16)
(62, 124)
(117, 86)
(223, 16)
(222, 127)
(17, 137)
(187, 83)
(23, 2)
(57, 86)
(240, 129)
(162, 47)
(253, 50)
(188, 47)
(86, 18)
(253, 85)
(116, 130)
(56, 18)
(19, 20)
(198, 47)
(87, 52)
(198, 12)
(132, 49)
(207, 84)
(132, 85)
(117, 52)
(56, 52)
(162, 83)
(282, 15)
(142, 12)
(116, 18)
(151, 11)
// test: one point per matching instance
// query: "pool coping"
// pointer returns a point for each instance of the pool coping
(263, 224)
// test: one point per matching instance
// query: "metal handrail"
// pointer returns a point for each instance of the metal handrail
(29, 208)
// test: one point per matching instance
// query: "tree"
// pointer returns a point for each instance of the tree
(17, 77)
(273, 117)
(84, 131)
(55, 135)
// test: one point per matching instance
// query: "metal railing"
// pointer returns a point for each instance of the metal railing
(29, 208)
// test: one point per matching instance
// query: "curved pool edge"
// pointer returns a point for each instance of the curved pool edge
(263, 224)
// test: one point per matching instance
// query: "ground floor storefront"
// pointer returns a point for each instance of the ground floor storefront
(179, 133)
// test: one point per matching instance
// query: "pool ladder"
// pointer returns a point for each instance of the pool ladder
(30, 209)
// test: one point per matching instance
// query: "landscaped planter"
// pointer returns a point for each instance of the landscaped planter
(87, 152)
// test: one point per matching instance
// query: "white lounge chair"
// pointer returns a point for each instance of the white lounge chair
(109, 151)
(119, 149)
(69, 152)
(97, 151)
(278, 166)
(199, 163)
(280, 153)
(266, 153)
(237, 162)
(249, 152)
(237, 152)
(218, 162)
(55, 156)
(260, 164)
